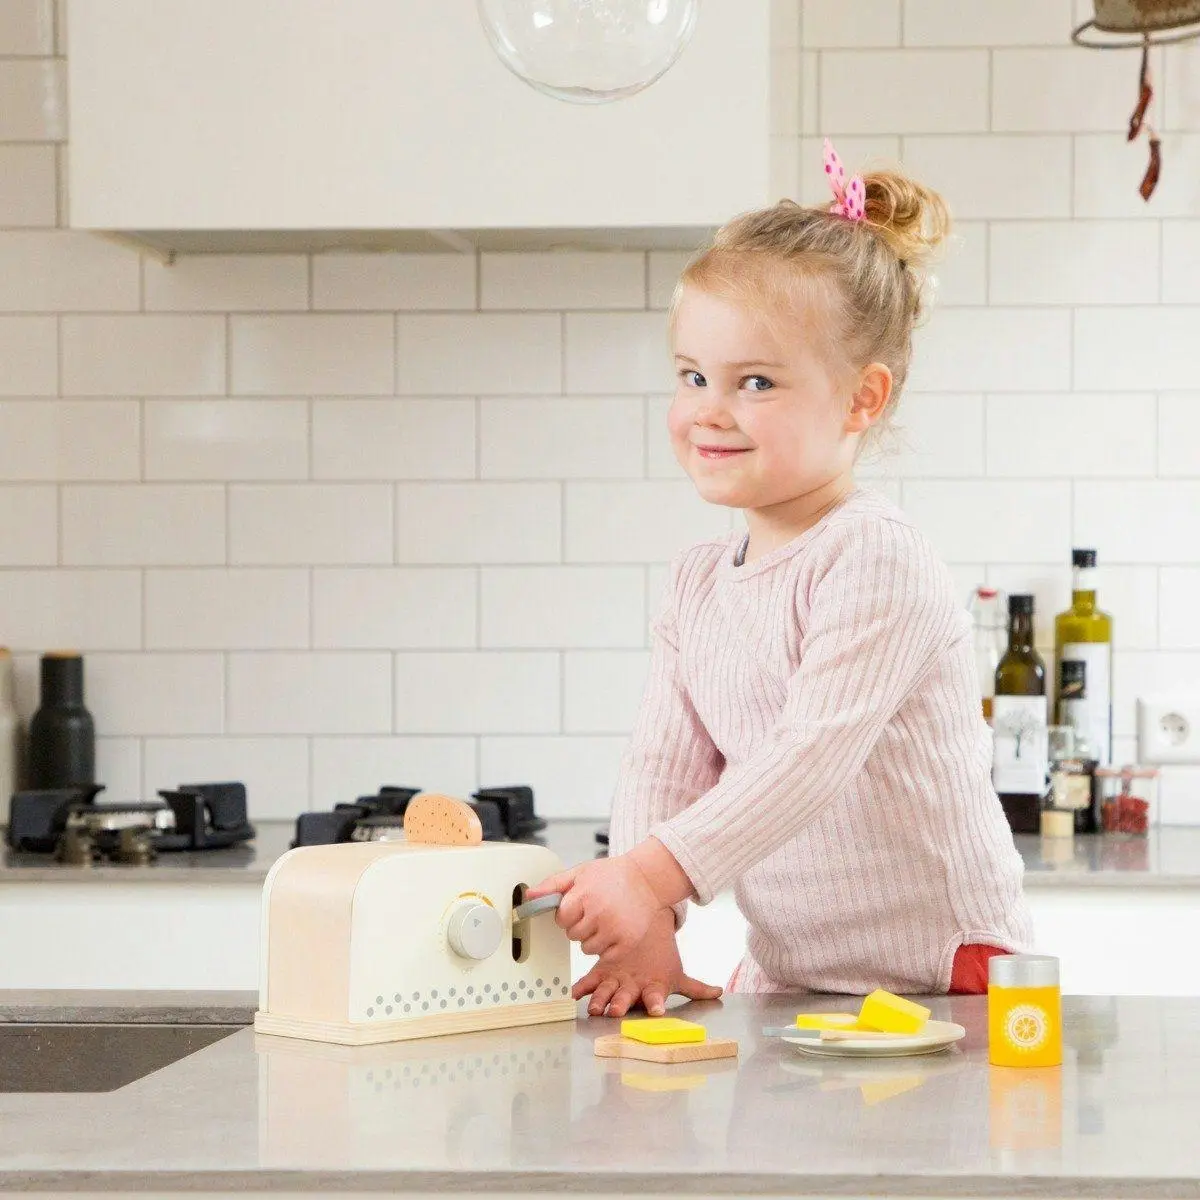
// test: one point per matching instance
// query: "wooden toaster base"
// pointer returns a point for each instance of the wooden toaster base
(348, 1033)
(616, 1046)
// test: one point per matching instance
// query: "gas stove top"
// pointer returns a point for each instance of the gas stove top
(506, 814)
(75, 828)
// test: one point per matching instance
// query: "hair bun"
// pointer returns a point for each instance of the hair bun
(911, 218)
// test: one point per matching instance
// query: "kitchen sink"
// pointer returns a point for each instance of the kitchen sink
(94, 1058)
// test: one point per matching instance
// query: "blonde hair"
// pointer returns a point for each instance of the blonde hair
(861, 283)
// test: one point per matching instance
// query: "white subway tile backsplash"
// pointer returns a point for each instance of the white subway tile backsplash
(1180, 257)
(1179, 434)
(393, 281)
(580, 607)
(961, 275)
(602, 689)
(1074, 262)
(1143, 521)
(1179, 605)
(1181, 85)
(474, 693)
(143, 695)
(907, 93)
(154, 525)
(665, 267)
(29, 352)
(393, 608)
(810, 93)
(58, 440)
(313, 353)
(226, 439)
(930, 434)
(278, 692)
(346, 767)
(57, 271)
(1131, 596)
(393, 439)
(1108, 171)
(28, 525)
(28, 187)
(33, 100)
(1050, 586)
(1126, 349)
(1179, 796)
(143, 355)
(119, 765)
(618, 353)
(1066, 89)
(478, 522)
(611, 522)
(301, 524)
(556, 438)
(993, 349)
(975, 520)
(994, 176)
(26, 27)
(982, 23)
(1031, 435)
(786, 119)
(274, 769)
(91, 610)
(227, 283)
(835, 23)
(561, 280)
(571, 776)
(1148, 673)
(222, 609)
(479, 353)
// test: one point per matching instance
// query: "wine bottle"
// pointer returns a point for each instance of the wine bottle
(1020, 762)
(1083, 634)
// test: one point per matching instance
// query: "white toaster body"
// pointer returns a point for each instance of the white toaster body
(385, 941)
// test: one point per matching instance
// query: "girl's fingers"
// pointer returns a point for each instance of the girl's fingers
(596, 943)
(554, 883)
(693, 989)
(601, 996)
(623, 1000)
(588, 984)
(654, 999)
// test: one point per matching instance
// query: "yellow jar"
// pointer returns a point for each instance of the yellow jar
(1024, 1011)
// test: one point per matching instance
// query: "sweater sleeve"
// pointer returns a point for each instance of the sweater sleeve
(670, 759)
(879, 613)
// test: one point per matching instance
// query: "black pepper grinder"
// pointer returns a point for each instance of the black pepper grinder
(62, 738)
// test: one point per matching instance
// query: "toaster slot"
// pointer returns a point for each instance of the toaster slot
(520, 929)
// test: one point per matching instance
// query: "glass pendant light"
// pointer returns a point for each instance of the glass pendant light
(588, 51)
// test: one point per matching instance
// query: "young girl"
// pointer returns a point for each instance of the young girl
(811, 733)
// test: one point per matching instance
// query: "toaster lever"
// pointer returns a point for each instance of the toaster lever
(532, 907)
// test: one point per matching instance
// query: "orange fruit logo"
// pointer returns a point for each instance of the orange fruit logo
(1026, 1027)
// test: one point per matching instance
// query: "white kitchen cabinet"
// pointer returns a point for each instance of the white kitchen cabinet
(254, 124)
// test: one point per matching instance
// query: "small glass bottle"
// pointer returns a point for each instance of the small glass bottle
(987, 620)
(1024, 1011)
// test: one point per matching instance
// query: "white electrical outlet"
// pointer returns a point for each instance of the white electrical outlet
(1169, 729)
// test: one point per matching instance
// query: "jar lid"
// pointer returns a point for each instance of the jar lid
(1023, 970)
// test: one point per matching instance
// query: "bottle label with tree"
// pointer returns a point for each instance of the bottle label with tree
(1020, 762)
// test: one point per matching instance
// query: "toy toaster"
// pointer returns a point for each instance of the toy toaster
(385, 941)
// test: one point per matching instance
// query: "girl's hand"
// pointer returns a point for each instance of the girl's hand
(651, 973)
(607, 905)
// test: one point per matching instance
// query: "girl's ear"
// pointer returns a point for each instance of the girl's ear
(870, 400)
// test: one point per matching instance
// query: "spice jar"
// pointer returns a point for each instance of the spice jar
(1024, 1011)
(1126, 797)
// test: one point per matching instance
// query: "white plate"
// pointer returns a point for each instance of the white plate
(937, 1035)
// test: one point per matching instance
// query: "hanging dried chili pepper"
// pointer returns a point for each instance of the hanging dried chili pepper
(1153, 170)
(1145, 95)
(1138, 121)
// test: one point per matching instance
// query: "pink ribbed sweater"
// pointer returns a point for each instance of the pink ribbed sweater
(811, 735)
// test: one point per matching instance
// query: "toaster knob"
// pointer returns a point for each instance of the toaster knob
(474, 929)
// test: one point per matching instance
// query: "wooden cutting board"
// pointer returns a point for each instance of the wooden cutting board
(616, 1046)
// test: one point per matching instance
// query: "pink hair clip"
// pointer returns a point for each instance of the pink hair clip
(849, 199)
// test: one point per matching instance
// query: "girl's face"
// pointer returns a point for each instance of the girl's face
(755, 422)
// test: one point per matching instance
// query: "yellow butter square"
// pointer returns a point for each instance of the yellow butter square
(663, 1031)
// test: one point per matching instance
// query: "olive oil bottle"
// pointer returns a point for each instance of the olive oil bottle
(1083, 635)
(1020, 762)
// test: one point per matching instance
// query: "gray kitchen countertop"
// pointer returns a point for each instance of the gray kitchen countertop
(532, 1110)
(1168, 857)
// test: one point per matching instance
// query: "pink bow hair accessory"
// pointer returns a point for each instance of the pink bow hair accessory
(850, 200)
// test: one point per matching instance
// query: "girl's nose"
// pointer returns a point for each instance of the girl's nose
(715, 415)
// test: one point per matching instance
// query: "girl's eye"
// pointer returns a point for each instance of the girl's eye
(693, 379)
(757, 383)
